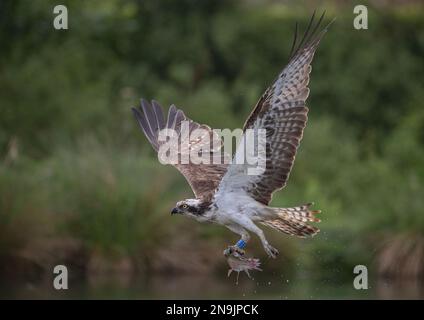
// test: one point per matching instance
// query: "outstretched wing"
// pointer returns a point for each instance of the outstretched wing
(282, 112)
(185, 138)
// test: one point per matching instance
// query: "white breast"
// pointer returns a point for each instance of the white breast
(232, 204)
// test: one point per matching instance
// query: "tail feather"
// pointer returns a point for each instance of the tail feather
(293, 221)
(300, 213)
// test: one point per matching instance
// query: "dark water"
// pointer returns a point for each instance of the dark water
(212, 287)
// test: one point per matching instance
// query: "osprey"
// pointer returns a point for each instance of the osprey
(224, 192)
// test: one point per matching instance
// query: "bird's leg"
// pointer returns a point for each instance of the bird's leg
(248, 224)
(241, 244)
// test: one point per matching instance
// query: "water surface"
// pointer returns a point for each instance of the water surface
(212, 287)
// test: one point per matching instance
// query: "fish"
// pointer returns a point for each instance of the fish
(239, 262)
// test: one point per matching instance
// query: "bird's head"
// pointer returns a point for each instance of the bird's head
(190, 207)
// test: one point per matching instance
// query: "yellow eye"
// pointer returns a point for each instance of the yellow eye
(185, 206)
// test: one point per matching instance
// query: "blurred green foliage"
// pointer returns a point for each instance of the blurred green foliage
(73, 160)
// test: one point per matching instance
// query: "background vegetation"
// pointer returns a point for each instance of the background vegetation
(79, 183)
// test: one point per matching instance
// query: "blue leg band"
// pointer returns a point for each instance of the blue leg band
(241, 244)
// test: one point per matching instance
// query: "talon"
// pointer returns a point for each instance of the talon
(271, 251)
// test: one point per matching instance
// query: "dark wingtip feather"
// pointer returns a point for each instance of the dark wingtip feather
(329, 24)
(171, 116)
(316, 28)
(305, 34)
(149, 113)
(137, 114)
(310, 38)
(145, 127)
(294, 39)
(159, 115)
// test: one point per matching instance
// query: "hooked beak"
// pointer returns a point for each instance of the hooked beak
(175, 211)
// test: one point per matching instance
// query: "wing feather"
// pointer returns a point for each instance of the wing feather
(282, 112)
(203, 178)
(145, 127)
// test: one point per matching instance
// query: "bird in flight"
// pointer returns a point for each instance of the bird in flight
(224, 192)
